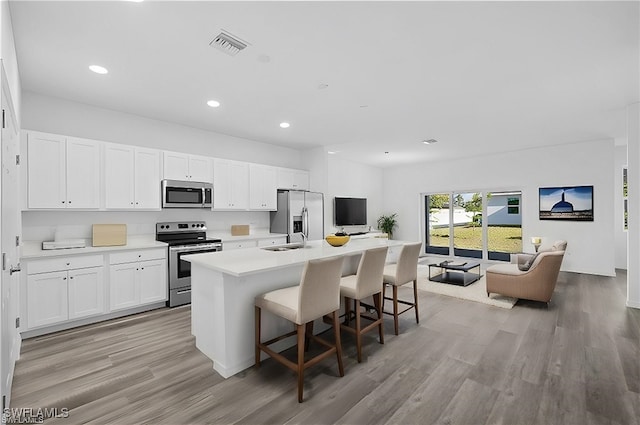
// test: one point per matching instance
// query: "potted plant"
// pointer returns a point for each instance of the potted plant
(386, 223)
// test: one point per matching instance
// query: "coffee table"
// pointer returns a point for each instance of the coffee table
(455, 273)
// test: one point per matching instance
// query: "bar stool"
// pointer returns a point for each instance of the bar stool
(365, 283)
(318, 294)
(401, 273)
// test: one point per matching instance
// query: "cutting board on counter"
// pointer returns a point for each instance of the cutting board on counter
(109, 234)
(239, 229)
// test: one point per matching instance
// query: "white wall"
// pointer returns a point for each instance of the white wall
(9, 58)
(590, 244)
(633, 263)
(53, 115)
(620, 234)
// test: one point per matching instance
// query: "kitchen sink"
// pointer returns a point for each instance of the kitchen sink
(288, 247)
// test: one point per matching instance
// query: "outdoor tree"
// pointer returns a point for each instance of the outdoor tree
(438, 201)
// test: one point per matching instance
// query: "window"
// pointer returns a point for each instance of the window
(468, 224)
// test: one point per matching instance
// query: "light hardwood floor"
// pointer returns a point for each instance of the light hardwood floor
(577, 362)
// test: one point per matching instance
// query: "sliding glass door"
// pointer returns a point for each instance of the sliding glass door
(438, 232)
(504, 224)
(467, 225)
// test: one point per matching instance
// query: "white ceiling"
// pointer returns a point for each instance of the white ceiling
(480, 77)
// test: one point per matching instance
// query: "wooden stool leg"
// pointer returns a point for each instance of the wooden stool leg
(347, 310)
(301, 332)
(415, 299)
(377, 301)
(358, 332)
(309, 331)
(395, 308)
(258, 312)
(336, 330)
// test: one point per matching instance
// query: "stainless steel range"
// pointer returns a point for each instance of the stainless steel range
(184, 238)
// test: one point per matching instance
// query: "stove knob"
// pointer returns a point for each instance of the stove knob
(162, 227)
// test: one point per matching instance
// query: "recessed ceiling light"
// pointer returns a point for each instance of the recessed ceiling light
(331, 152)
(213, 103)
(429, 141)
(98, 69)
(285, 125)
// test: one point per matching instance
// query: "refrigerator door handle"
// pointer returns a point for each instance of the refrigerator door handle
(305, 221)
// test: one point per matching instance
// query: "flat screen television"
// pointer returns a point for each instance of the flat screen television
(350, 211)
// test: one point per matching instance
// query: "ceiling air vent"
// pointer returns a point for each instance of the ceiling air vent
(228, 43)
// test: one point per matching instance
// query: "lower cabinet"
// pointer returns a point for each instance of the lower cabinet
(57, 296)
(137, 283)
(272, 241)
(64, 289)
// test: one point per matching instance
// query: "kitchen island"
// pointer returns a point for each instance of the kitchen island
(224, 285)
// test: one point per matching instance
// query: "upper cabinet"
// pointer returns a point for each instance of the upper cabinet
(63, 172)
(293, 179)
(181, 166)
(132, 177)
(230, 185)
(263, 188)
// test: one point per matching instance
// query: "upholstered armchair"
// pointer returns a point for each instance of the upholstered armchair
(529, 276)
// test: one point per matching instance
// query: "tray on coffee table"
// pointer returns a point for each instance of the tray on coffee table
(455, 272)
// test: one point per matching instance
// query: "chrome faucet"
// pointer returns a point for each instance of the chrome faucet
(304, 239)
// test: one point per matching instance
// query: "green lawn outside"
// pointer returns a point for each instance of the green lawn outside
(501, 239)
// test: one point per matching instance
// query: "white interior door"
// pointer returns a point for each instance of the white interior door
(10, 235)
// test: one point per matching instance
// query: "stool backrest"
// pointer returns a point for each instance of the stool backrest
(370, 272)
(407, 266)
(319, 288)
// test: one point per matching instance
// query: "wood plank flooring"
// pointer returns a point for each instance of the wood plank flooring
(575, 362)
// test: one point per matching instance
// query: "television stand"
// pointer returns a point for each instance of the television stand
(357, 233)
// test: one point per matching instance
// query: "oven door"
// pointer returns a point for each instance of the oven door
(180, 270)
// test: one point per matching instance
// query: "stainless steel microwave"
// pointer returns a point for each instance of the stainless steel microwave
(185, 194)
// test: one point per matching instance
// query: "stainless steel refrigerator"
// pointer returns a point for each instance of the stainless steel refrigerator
(299, 211)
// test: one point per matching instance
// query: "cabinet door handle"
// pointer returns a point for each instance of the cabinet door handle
(15, 269)
(64, 278)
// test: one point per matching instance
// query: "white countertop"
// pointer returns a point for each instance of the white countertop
(254, 260)
(33, 249)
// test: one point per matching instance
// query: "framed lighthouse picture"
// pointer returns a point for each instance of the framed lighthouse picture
(571, 203)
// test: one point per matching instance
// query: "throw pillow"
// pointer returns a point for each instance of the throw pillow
(527, 265)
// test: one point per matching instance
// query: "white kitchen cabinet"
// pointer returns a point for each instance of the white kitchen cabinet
(263, 191)
(272, 241)
(135, 280)
(147, 178)
(153, 281)
(132, 177)
(293, 179)
(181, 166)
(63, 172)
(230, 185)
(86, 292)
(64, 288)
(47, 299)
(124, 292)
